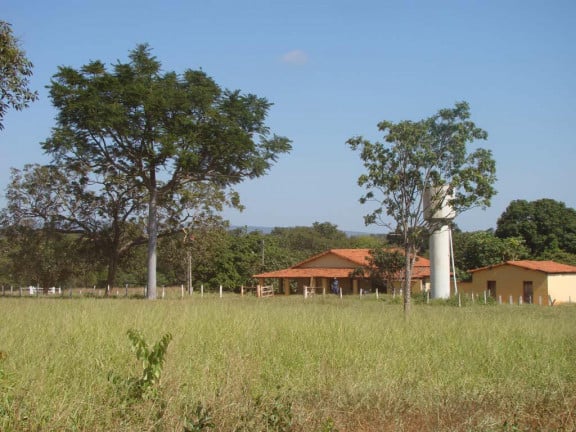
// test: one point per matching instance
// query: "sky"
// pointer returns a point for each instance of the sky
(333, 70)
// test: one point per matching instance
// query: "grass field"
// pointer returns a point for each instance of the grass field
(287, 364)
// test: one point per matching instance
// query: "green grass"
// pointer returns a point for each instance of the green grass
(320, 364)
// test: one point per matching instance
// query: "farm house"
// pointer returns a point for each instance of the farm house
(317, 273)
(538, 282)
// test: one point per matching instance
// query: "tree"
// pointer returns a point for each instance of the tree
(41, 257)
(303, 242)
(385, 266)
(416, 155)
(478, 249)
(545, 225)
(104, 211)
(100, 210)
(161, 132)
(15, 71)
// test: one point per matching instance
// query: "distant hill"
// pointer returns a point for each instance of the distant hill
(268, 230)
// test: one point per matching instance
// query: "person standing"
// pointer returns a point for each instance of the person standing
(335, 286)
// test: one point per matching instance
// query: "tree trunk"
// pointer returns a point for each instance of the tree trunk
(112, 269)
(152, 241)
(407, 282)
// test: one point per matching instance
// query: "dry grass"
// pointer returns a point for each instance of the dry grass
(288, 364)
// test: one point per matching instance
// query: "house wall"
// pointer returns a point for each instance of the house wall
(562, 288)
(509, 282)
(328, 261)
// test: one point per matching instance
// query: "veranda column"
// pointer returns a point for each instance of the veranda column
(286, 283)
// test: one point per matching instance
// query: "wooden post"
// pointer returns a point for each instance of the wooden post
(242, 290)
(485, 298)
(459, 300)
(511, 300)
(540, 300)
(163, 292)
(220, 291)
(182, 291)
(202, 290)
(376, 293)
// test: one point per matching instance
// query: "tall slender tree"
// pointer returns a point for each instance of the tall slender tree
(160, 131)
(414, 156)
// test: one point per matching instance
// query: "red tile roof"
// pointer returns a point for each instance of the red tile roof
(550, 267)
(356, 257)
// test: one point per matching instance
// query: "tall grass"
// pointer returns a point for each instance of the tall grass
(321, 364)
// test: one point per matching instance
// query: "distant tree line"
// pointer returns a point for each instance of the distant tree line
(33, 253)
(36, 254)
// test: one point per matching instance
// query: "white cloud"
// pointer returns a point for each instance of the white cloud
(295, 57)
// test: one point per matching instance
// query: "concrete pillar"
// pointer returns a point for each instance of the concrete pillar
(440, 262)
(325, 288)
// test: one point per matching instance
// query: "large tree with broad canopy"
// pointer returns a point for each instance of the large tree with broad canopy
(160, 132)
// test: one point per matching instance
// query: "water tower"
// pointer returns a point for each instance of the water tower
(439, 214)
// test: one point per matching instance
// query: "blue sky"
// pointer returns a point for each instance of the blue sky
(333, 70)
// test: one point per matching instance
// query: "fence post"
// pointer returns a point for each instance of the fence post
(511, 300)
(376, 293)
(202, 290)
(485, 297)
(520, 300)
(163, 291)
(499, 299)
(241, 290)
(459, 300)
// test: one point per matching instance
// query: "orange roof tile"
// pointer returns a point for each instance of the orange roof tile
(550, 267)
(307, 272)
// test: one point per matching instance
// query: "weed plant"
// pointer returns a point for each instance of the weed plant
(288, 364)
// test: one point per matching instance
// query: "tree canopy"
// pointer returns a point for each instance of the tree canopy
(161, 133)
(545, 225)
(478, 249)
(416, 155)
(15, 73)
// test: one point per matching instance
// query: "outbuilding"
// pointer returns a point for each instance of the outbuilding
(538, 282)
